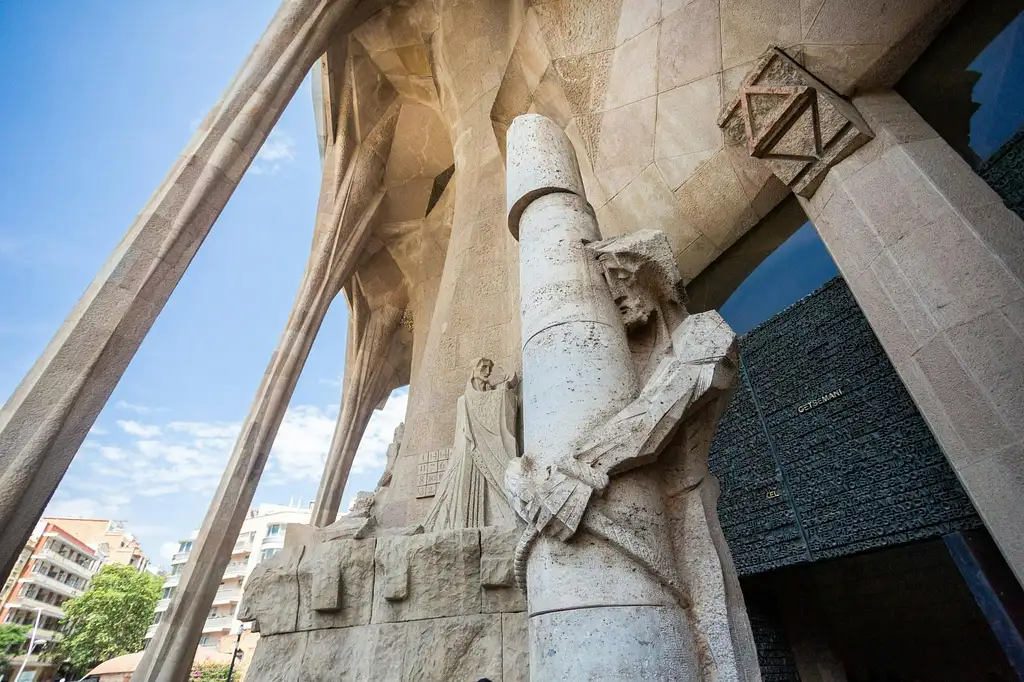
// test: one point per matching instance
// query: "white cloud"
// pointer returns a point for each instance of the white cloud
(97, 431)
(168, 550)
(134, 428)
(104, 507)
(278, 149)
(132, 407)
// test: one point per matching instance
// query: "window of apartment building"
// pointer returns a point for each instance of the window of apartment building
(168, 592)
(207, 640)
(273, 530)
(186, 546)
(176, 569)
(267, 553)
(157, 616)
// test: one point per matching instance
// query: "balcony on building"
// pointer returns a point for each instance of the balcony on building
(236, 569)
(181, 556)
(244, 543)
(53, 579)
(218, 623)
(227, 595)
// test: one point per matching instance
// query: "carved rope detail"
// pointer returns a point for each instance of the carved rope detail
(792, 120)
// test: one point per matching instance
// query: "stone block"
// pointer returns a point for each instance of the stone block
(998, 479)
(339, 654)
(954, 289)
(750, 28)
(444, 649)
(278, 658)
(272, 596)
(336, 584)
(442, 576)
(515, 648)
(690, 47)
(993, 352)
(634, 74)
(687, 118)
(497, 576)
(970, 414)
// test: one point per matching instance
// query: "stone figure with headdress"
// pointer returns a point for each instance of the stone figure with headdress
(472, 494)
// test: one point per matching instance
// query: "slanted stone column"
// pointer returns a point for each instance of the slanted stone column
(45, 421)
(369, 376)
(351, 192)
(936, 262)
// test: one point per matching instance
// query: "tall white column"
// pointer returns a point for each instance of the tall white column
(592, 614)
(936, 262)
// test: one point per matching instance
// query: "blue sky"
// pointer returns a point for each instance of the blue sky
(99, 100)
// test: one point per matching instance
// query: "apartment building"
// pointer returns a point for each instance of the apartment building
(109, 538)
(55, 567)
(261, 537)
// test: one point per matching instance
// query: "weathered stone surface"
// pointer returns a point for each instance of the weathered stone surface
(279, 658)
(500, 594)
(336, 584)
(272, 596)
(437, 649)
(515, 647)
(427, 576)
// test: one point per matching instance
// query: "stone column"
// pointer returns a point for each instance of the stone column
(936, 262)
(369, 375)
(593, 615)
(351, 193)
(43, 424)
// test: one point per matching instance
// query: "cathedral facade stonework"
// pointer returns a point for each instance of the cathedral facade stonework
(515, 195)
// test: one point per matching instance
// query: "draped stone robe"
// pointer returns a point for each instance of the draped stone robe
(472, 493)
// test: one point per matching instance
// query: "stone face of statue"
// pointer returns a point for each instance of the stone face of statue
(635, 303)
(482, 375)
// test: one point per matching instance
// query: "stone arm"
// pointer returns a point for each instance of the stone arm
(703, 358)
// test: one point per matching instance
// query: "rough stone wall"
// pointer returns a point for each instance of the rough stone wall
(804, 481)
(434, 606)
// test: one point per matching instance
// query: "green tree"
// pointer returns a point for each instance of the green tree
(11, 639)
(109, 620)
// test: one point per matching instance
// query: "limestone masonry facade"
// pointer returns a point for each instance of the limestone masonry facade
(515, 196)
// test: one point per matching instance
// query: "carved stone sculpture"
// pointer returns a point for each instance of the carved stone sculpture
(471, 493)
(796, 123)
(614, 445)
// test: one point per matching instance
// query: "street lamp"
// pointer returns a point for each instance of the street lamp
(237, 630)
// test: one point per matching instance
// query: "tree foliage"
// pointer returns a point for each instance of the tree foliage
(11, 639)
(109, 620)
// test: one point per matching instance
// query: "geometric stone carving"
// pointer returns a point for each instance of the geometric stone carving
(796, 123)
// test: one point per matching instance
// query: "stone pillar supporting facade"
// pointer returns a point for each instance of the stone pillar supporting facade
(936, 262)
(45, 421)
(351, 194)
(613, 592)
(369, 376)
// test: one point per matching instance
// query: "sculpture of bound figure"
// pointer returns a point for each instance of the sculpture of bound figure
(628, 574)
(472, 494)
